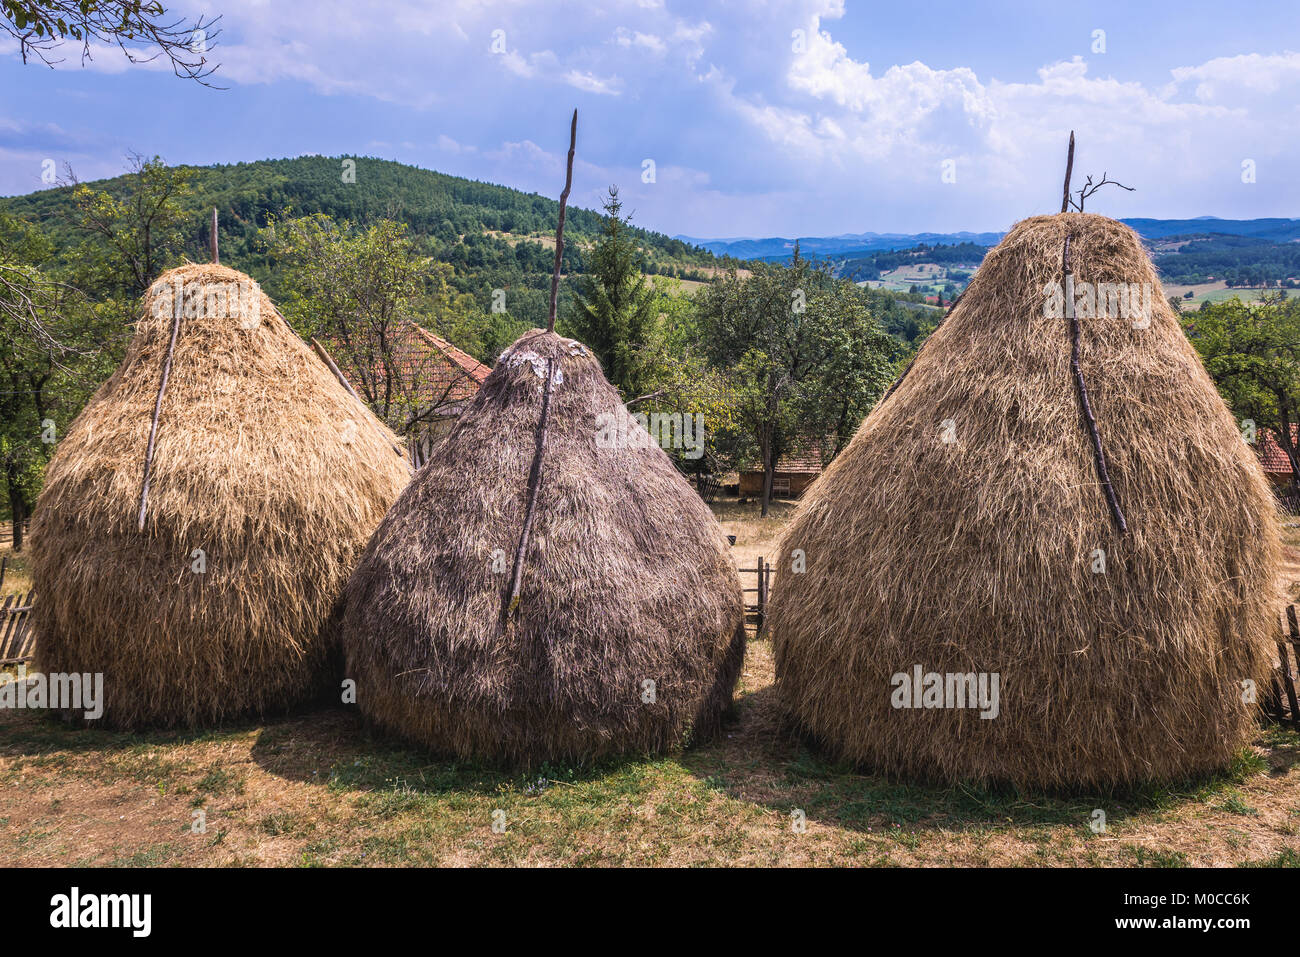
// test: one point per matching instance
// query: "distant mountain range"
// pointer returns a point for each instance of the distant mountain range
(1271, 230)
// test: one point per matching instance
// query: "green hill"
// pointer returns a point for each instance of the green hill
(494, 236)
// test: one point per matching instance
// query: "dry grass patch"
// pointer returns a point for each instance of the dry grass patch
(315, 789)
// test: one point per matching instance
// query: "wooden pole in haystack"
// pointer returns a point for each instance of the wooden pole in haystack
(216, 251)
(559, 230)
(178, 297)
(325, 358)
(511, 601)
(534, 485)
(1069, 168)
(1085, 404)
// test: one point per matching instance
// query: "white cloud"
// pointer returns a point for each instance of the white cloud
(746, 131)
(590, 83)
(635, 38)
(1248, 73)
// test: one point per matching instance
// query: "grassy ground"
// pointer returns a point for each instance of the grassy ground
(18, 579)
(316, 789)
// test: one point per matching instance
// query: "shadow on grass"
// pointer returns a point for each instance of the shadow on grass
(336, 749)
(761, 759)
(35, 734)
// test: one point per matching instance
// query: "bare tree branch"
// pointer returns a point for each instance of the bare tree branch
(1089, 188)
(142, 29)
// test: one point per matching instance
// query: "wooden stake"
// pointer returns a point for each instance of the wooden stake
(178, 300)
(511, 600)
(559, 229)
(1069, 168)
(216, 251)
(325, 358)
(1099, 454)
(534, 484)
(1287, 683)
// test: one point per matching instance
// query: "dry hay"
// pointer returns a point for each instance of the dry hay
(262, 460)
(978, 555)
(626, 579)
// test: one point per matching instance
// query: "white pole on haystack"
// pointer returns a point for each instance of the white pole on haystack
(216, 251)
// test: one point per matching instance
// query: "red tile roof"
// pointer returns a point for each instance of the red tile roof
(1271, 455)
(797, 463)
(430, 371)
(458, 357)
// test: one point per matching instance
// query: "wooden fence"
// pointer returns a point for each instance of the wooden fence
(16, 636)
(1282, 705)
(1289, 496)
(708, 487)
(7, 531)
(756, 612)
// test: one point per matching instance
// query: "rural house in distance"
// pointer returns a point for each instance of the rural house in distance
(794, 472)
(1274, 459)
(421, 390)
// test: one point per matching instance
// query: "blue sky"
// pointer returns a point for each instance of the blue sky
(781, 117)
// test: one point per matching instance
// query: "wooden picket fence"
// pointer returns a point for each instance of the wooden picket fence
(756, 611)
(16, 635)
(1282, 704)
(7, 531)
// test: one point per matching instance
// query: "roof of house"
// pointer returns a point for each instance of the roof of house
(466, 362)
(437, 372)
(1271, 455)
(808, 462)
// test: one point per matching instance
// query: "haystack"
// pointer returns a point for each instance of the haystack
(628, 632)
(266, 479)
(965, 531)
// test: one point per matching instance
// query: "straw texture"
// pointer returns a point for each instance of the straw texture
(263, 461)
(979, 555)
(626, 579)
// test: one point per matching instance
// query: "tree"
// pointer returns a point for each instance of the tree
(805, 359)
(684, 383)
(360, 290)
(752, 328)
(142, 29)
(140, 230)
(857, 361)
(50, 361)
(1252, 352)
(615, 309)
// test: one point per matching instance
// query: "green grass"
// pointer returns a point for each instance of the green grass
(1287, 857)
(358, 800)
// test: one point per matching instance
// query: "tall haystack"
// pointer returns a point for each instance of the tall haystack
(266, 478)
(625, 581)
(966, 532)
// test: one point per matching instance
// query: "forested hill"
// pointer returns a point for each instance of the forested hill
(494, 237)
(433, 204)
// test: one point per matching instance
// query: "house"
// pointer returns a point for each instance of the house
(425, 390)
(794, 473)
(1271, 455)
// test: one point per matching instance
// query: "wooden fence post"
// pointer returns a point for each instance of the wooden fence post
(1288, 684)
(15, 630)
